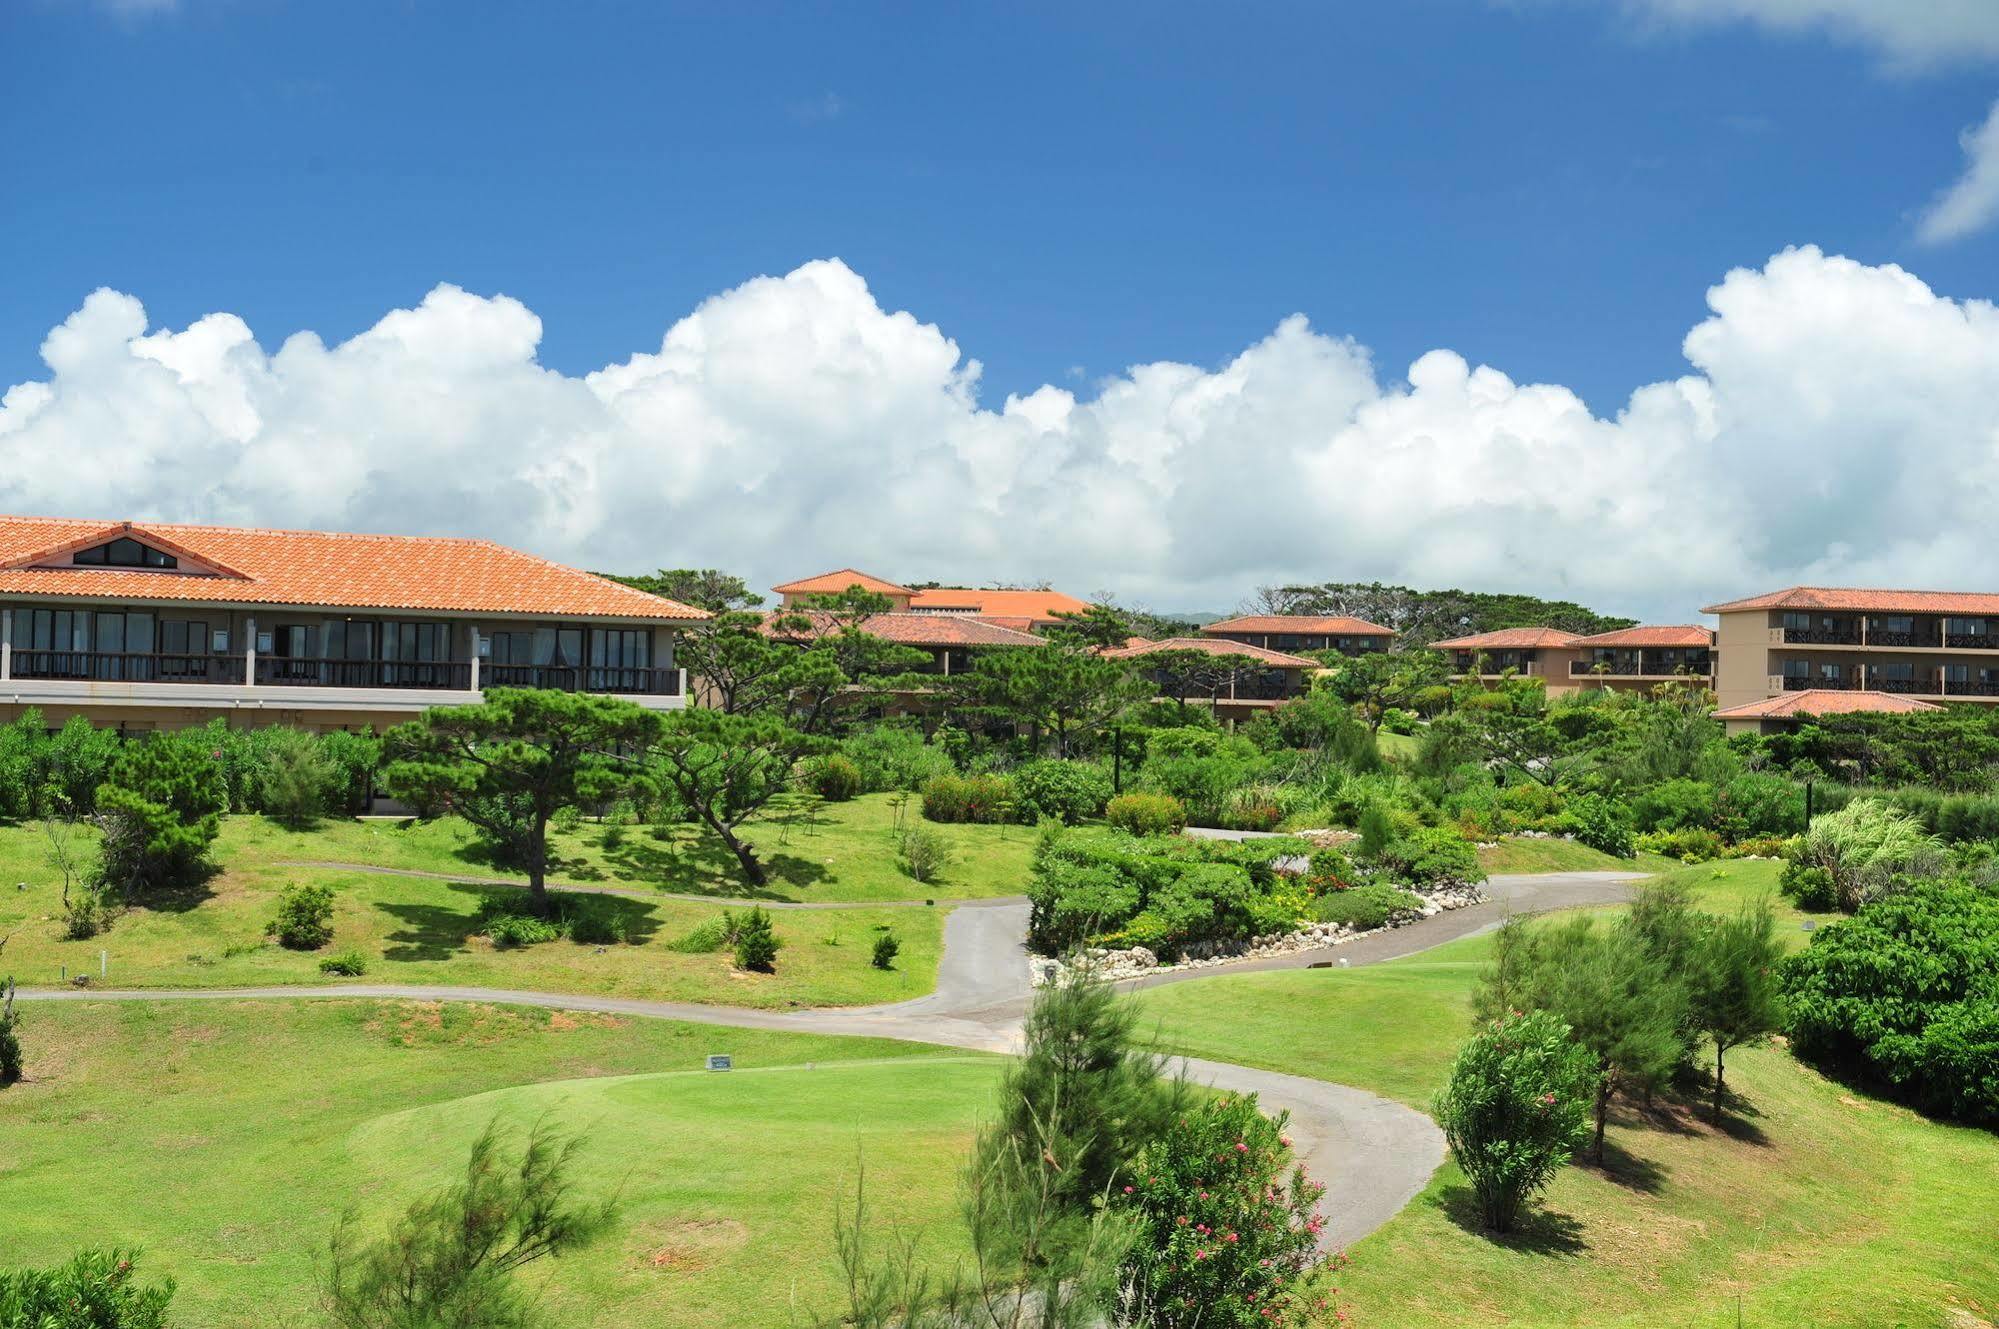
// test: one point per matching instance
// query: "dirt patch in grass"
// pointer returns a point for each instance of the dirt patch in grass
(681, 1247)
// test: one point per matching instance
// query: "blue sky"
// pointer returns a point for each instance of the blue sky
(623, 284)
(1545, 187)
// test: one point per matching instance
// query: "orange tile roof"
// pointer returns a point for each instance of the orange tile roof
(911, 629)
(1825, 701)
(840, 579)
(1037, 606)
(1866, 601)
(323, 569)
(1309, 624)
(1681, 634)
(1509, 639)
(1216, 647)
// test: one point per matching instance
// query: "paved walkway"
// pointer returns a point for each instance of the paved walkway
(1373, 1154)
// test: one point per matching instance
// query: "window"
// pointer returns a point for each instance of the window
(1797, 669)
(1894, 623)
(1957, 673)
(1829, 671)
(1796, 622)
(124, 552)
(1899, 672)
(1965, 627)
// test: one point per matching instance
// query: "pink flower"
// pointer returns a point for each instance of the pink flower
(1241, 1148)
(1127, 1190)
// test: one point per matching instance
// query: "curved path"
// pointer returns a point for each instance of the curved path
(1373, 1154)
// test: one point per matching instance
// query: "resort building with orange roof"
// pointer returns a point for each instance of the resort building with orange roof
(145, 625)
(1303, 632)
(1627, 659)
(1233, 678)
(1932, 645)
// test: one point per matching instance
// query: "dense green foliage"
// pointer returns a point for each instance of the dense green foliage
(1516, 1106)
(97, 1289)
(160, 808)
(1866, 848)
(1146, 814)
(1227, 1224)
(969, 798)
(1069, 791)
(304, 919)
(1421, 617)
(756, 942)
(830, 775)
(11, 1067)
(1906, 994)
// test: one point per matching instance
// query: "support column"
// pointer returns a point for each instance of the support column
(249, 650)
(475, 657)
(6, 643)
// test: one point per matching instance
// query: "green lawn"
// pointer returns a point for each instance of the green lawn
(226, 1139)
(814, 851)
(1554, 854)
(1819, 1206)
(421, 930)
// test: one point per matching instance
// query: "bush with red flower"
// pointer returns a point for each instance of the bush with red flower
(1228, 1228)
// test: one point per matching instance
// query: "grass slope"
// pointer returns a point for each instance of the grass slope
(139, 1125)
(814, 851)
(1819, 1205)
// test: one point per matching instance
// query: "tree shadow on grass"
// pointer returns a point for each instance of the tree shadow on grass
(1627, 1169)
(700, 864)
(438, 932)
(428, 932)
(1538, 1231)
(178, 898)
(1690, 1111)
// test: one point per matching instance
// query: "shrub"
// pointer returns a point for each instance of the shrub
(968, 798)
(831, 776)
(1146, 814)
(756, 942)
(1253, 808)
(1600, 824)
(1516, 1105)
(1070, 791)
(703, 937)
(305, 917)
(893, 756)
(924, 853)
(1364, 908)
(348, 964)
(1810, 888)
(1906, 993)
(1227, 1223)
(566, 820)
(1329, 869)
(1690, 844)
(1432, 856)
(885, 950)
(353, 757)
(1377, 831)
(1866, 846)
(507, 931)
(95, 1290)
(1757, 804)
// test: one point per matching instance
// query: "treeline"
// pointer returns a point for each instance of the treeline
(1421, 617)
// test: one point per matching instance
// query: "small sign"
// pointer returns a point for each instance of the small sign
(719, 1061)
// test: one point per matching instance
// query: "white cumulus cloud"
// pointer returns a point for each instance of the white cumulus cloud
(1910, 33)
(1972, 202)
(1837, 422)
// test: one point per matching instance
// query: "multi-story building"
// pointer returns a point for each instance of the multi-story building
(145, 625)
(1628, 659)
(1234, 678)
(1636, 659)
(1943, 646)
(1303, 632)
(1546, 653)
(1023, 611)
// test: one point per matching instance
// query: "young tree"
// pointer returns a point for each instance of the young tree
(1086, 1093)
(1517, 1104)
(1062, 692)
(1619, 1003)
(448, 1261)
(1505, 727)
(756, 942)
(724, 768)
(1380, 680)
(95, 1290)
(295, 778)
(160, 809)
(510, 763)
(1732, 984)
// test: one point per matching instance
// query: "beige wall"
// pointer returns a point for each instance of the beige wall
(1742, 657)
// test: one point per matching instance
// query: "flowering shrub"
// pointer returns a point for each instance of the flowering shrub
(1516, 1106)
(1228, 1230)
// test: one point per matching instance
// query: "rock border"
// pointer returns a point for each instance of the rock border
(1138, 961)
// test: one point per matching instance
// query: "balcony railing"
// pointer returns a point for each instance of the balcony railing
(127, 666)
(1971, 688)
(281, 672)
(1972, 641)
(1822, 636)
(1917, 638)
(1641, 668)
(1793, 683)
(435, 675)
(587, 678)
